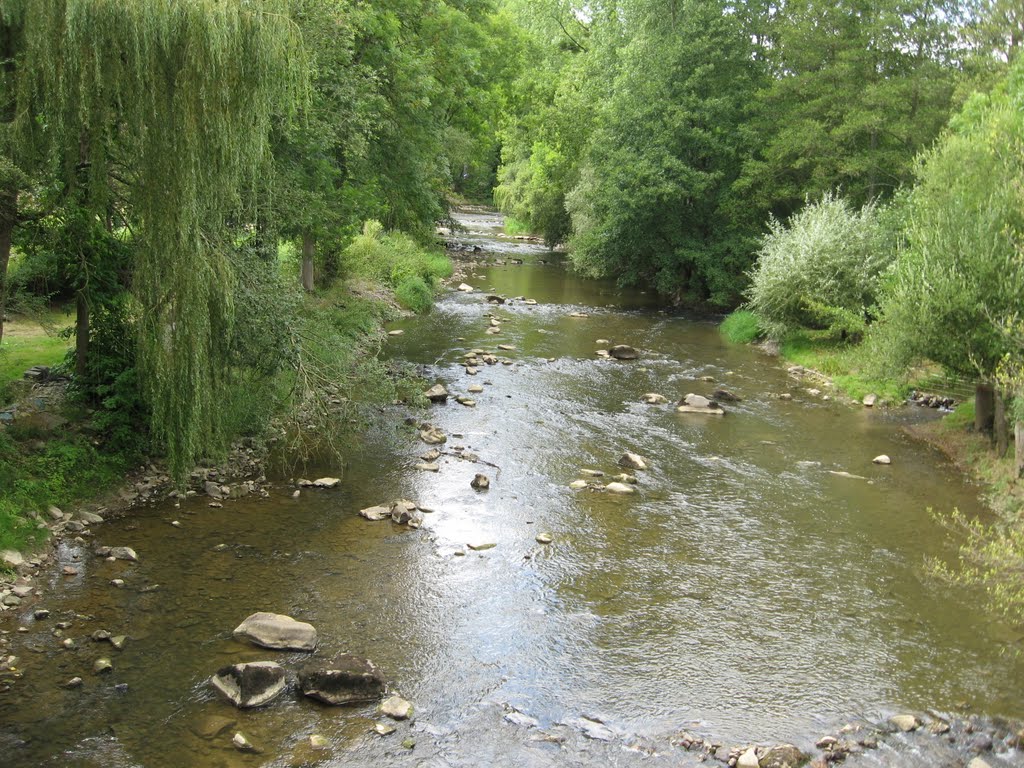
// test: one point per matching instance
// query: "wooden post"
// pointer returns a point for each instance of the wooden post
(1001, 425)
(984, 408)
(1019, 449)
(308, 250)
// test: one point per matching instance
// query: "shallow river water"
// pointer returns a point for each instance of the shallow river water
(745, 593)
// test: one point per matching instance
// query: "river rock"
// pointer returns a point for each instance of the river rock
(466, 401)
(347, 679)
(725, 396)
(870, 399)
(326, 482)
(89, 517)
(123, 553)
(603, 353)
(482, 546)
(432, 455)
(475, 388)
(783, 756)
(882, 459)
(592, 472)
(524, 721)
(632, 461)
(427, 466)
(544, 538)
(480, 482)
(376, 513)
(213, 726)
(748, 759)
(623, 352)
(396, 707)
(102, 665)
(213, 490)
(242, 744)
(978, 762)
(436, 394)
(905, 723)
(275, 630)
(578, 484)
(404, 512)
(465, 288)
(12, 558)
(625, 478)
(696, 401)
(619, 488)
(653, 398)
(396, 332)
(712, 410)
(495, 299)
(433, 436)
(251, 684)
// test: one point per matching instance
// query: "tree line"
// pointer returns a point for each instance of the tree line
(832, 164)
(154, 156)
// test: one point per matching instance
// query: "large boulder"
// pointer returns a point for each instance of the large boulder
(252, 684)
(436, 394)
(783, 756)
(376, 513)
(274, 630)
(632, 461)
(623, 352)
(347, 679)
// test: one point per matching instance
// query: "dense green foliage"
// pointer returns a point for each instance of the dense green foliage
(961, 273)
(822, 269)
(656, 139)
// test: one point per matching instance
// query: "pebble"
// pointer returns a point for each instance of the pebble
(396, 707)
(74, 682)
(544, 538)
(882, 459)
(241, 743)
(905, 723)
(384, 729)
(102, 665)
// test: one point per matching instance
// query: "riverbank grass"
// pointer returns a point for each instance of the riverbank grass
(844, 362)
(741, 327)
(991, 554)
(28, 342)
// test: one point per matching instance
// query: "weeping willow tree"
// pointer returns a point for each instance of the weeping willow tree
(161, 109)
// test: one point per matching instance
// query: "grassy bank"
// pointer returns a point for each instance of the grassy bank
(844, 362)
(991, 555)
(31, 341)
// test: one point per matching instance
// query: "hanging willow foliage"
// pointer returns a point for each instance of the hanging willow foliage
(173, 99)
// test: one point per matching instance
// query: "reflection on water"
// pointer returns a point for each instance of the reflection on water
(744, 592)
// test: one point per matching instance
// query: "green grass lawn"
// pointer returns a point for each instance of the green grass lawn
(29, 342)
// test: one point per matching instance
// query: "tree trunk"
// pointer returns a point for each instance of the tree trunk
(81, 334)
(6, 228)
(1019, 449)
(308, 250)
(984, 408)
(1002, 426)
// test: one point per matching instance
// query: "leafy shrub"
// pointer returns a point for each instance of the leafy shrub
(396, 260)
(740, 327)
(822, 269)
(413, 293)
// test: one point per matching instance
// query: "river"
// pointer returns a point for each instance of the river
(746, 592)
